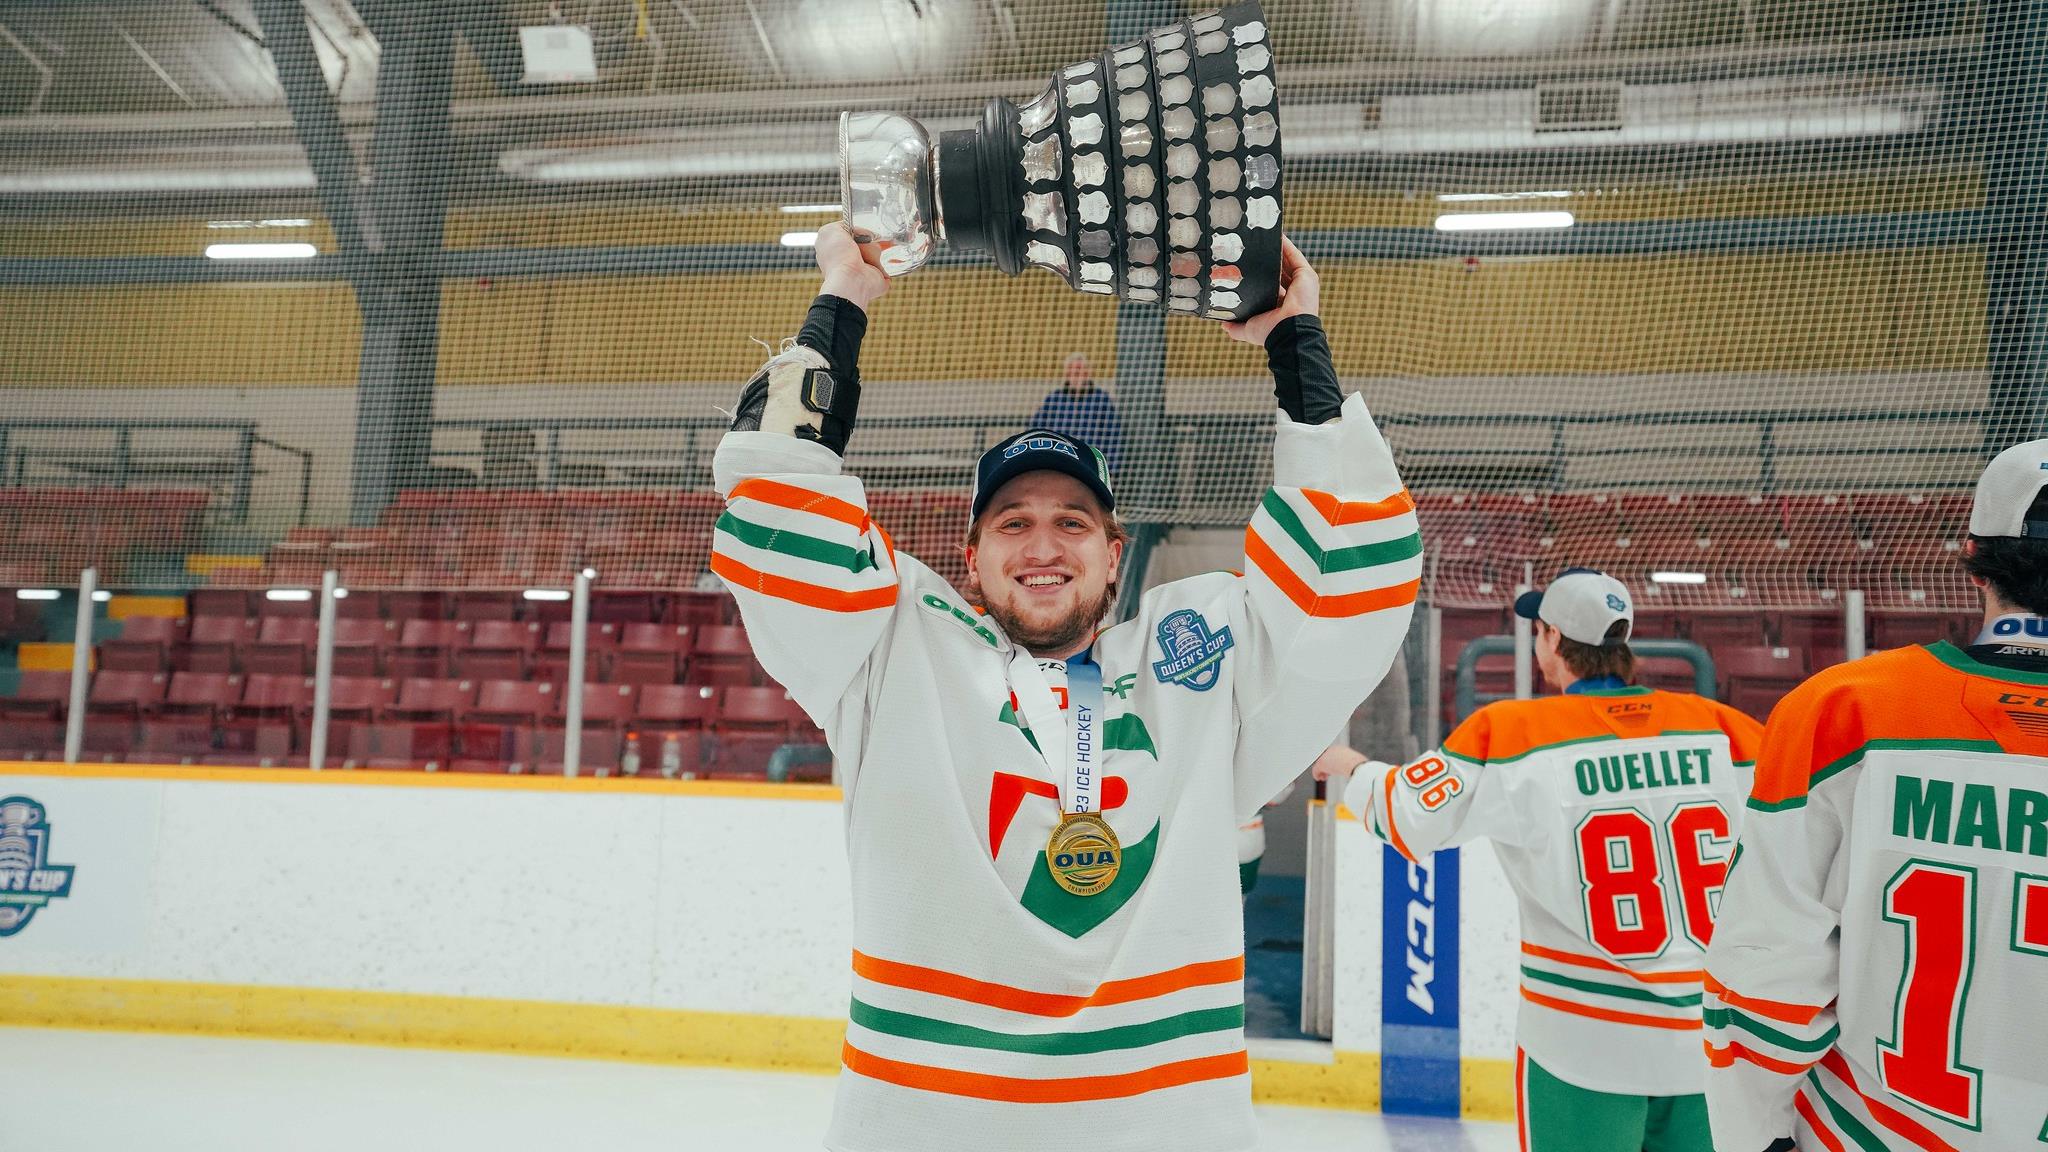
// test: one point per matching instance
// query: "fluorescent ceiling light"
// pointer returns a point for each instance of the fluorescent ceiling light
(807, 209)
(37, 594)
(289, 595)
(545, 594)
(1501, 221)
(260, 251)
(1679, 577)
(341, 593)
(101, 596)
(1474, 197)
(799, 239)
(279, 222)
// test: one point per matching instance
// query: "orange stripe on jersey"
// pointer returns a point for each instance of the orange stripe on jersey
(1610, 1015)
(1726, 1058)
(1306, 598)
(802, 499)
(1341, 512)
(1063, 1090)
(1521, 1098)
(1828, 1139)
(1777, 1010)
(798, 592)
(1898, 698)
(1538, 950)
(956, 987)
(1510, 729)
(1884, 1113)
(1393, 829)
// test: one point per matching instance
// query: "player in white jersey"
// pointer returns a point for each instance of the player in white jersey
(1610, 808)
(1879, 979)
(1040, 816)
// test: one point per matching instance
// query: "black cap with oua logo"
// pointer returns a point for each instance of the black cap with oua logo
(1040, 450)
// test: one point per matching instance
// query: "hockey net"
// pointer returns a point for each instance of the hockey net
(1730, 300)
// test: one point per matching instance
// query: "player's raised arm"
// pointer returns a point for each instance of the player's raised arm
(1333, 558)
(815, 580)
(1441, 799)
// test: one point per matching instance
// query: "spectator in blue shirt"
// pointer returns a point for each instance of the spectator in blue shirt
(1081, 409)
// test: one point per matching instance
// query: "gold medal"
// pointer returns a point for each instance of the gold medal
(1084, 854)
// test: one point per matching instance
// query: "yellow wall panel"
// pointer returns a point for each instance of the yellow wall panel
(494, 332)
(1310, 205)
(1823, 311)
(200, 334)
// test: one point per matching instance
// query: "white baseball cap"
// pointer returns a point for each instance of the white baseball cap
(2007, 489)
(1581, 603)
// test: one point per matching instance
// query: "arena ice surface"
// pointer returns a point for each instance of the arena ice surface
(124, 1092)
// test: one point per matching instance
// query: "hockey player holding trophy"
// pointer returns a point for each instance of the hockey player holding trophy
(1041, 811)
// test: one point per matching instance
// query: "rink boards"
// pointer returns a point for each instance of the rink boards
(688, 921)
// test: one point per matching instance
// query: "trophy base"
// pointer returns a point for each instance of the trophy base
(980, 182)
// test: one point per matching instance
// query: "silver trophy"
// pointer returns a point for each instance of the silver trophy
(1151, 172)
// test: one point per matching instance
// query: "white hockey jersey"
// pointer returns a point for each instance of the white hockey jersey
(993, 1010)
(1879, 979)
(1612, 814)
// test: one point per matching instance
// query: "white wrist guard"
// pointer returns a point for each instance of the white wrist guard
(796, 394)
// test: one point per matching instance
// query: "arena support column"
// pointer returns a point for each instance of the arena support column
(315, 118)
(401, 300)
(2012, 126)
(1141, 371)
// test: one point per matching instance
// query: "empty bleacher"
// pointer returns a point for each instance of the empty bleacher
(672, 689)
(443, 659)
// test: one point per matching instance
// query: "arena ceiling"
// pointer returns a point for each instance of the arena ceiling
(145, 99)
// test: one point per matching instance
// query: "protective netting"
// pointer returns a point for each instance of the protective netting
(1730, 299)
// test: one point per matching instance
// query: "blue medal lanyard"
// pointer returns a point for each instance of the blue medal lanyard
(1076, 776)
(1084, 726)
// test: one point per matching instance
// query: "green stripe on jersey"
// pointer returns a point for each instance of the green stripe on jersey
(1852, 759)
(1328, 560)
(1723, 1018)
(795, 544)
(1616, 990)
(1849, 1124)
(924, 1028)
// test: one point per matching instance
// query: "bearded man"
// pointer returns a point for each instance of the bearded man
(1041, 813)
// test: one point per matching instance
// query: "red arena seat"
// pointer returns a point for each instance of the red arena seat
(145, 644)
(283, 647)
(651, 653)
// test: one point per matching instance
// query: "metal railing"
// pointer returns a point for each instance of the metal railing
(1231, 451)
(1469, 699)
(118, 455)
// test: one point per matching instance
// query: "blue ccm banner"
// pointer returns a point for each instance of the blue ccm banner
(1419, 1065)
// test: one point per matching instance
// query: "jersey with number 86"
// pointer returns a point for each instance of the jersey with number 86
(1879, 978)
(1612, 814)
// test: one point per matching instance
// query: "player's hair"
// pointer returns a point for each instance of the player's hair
(1112, 527)
(2015, 567)
(1593, 661)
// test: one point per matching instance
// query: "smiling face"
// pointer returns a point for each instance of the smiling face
(1043, 562)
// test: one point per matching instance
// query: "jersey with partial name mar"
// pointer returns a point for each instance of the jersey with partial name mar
(993, 1010)
(1879, 978)
(1613, 814)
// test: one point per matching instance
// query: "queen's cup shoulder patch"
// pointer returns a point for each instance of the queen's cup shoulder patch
(1192, 651)
(28, 880)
